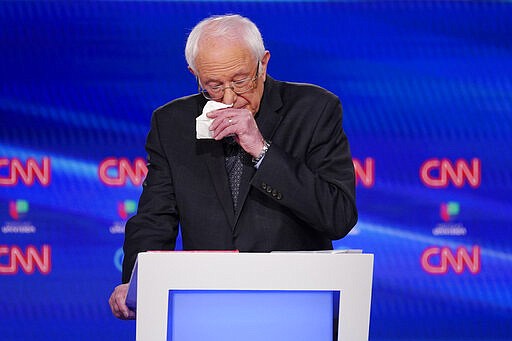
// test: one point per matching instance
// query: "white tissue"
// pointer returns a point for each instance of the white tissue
(203, 122)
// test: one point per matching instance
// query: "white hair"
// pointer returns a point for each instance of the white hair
(231, 27)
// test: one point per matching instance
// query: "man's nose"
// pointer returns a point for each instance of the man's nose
(229, 96)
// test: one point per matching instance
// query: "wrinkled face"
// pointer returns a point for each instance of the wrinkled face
(220, 62)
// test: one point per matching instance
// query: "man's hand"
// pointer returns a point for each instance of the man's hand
(117, 303)
(241, 124)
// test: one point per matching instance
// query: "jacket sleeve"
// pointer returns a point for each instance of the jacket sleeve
(315, 180)
(155, 226)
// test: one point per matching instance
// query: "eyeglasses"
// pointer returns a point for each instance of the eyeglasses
(239, 87)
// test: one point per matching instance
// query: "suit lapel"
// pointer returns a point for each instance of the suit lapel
(268, 120)
(212, 153)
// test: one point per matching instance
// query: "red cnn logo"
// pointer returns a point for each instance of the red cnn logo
(28, 261)
(365, 174)
(27, 173)
(114, 172)
(436, 260)
(437, 173)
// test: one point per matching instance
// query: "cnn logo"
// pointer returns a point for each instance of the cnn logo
(438, 260)
(28, 261)
(365, 171)
(12, 171)
(439, 173)
(116, 172)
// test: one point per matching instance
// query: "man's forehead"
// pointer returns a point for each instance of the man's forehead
(210, 46)
(225, 59)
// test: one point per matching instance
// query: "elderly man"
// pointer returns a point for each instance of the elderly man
(277, 173)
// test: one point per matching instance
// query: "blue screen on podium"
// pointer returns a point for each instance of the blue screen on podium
(252, 315)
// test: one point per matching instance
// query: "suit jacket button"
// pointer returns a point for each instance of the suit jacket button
(269, 189)
(279, 196)
(274, 193)
(263, 185)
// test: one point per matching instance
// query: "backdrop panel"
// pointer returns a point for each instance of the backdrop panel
(426, 88)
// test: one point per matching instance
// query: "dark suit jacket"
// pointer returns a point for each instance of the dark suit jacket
(300, 198)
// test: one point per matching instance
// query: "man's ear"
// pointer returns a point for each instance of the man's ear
(264, 64)
(192, 71)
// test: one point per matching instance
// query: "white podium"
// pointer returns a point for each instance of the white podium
(159, 273)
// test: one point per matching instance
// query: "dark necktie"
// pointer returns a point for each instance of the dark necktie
(234, 155)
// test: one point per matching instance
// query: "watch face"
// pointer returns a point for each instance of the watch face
(266, 144)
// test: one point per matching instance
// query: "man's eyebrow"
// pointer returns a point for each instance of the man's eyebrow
(245, 74)
(210, 81)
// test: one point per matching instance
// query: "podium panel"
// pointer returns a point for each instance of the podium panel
(165, 280)
(255, 315)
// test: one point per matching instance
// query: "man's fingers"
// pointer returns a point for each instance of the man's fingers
(131, 315)
(117, 302)
(115, 308)
(120, 300)
(224, 130)
(230, 122)
(222, 121)
(239, 123)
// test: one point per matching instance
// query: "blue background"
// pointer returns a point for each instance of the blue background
(418, 80)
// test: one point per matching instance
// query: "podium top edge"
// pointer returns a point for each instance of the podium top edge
(261, 254)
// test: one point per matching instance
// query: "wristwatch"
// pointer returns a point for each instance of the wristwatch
(266, 145)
